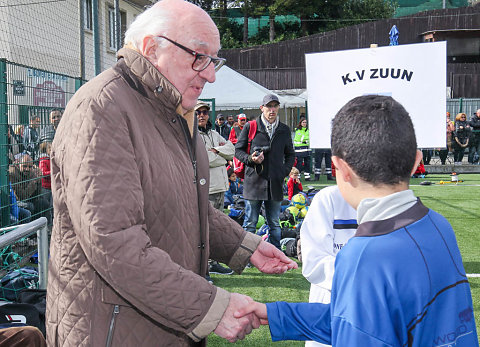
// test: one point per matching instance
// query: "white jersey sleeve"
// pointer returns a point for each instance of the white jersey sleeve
(329, 224)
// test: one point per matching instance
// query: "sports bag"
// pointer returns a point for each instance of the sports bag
(238, 166)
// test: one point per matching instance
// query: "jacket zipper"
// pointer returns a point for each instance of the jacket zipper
(116, 311)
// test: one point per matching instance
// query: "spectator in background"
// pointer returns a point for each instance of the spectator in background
(219, 151)
(302, 148)
(26, 182)
(237, 129)
(17, 214)
(461, 137)
(14, 148)
(294, 185)
(266, 168)
(31, 137)
(321, 153)
(474, 148)
(234, 187)
(230, 121)
(443, 153)
(44, 166)
(222, 127)
(427, 156)
(48, 132)
(420, 171)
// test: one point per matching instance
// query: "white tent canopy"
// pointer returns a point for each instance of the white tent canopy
(231, 91)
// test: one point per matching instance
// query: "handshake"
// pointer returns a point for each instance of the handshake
(241, 317)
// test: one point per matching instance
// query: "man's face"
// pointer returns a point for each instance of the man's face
(242, 122)
(176, 64)
(230, 120)
(202, 116)
(478, 113)
(270, 111)
(55, 117)
(220, 121)
(26, 164)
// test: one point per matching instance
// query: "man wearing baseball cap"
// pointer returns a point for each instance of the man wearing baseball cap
(236, 130)
(222, 127)
(268, 162)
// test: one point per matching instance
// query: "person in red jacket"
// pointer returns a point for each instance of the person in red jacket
(44, 166)
(236, 130)
(294, 185)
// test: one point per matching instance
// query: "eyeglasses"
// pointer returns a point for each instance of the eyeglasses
(204, 112)
(221, 119)
(201, 61)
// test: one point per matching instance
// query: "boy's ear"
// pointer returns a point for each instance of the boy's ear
(342, 166)
(418, 159)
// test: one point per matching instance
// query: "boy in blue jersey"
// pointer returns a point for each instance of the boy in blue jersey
(400, 280)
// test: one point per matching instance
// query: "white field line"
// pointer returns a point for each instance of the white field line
(473, 275)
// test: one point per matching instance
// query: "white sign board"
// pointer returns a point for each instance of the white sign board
(414, 75)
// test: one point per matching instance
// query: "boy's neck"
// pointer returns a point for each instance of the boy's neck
(370, 191)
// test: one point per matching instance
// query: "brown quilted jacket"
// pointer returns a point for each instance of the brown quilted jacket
(133, 227)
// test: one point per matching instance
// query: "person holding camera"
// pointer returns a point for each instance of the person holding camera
(268, 162)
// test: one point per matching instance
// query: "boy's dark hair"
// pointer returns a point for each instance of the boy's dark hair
(375, 136)
(229, 172)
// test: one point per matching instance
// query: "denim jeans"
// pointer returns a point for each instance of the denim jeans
(272, 211)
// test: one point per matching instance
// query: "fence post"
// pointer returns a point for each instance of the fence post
(461, 106)
(42, 244)
(4, 187)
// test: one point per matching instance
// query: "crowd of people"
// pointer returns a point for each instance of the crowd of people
(29, 168)
(462, 134)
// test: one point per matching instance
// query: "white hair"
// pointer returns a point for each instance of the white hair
(154, 21)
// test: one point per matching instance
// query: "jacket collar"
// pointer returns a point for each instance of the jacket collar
(158, 85)
(386, 226)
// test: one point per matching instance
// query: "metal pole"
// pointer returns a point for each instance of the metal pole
(118, 34)
(42, 244)
(96, 36)
(81, 19)
(4, 187)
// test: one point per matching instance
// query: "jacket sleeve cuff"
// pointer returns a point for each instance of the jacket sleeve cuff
(212, 318)
(244, 252)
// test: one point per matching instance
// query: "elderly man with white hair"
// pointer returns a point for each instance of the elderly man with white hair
(133, 228)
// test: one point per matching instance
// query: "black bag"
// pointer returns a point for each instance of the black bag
(15, 314)
(13, 282)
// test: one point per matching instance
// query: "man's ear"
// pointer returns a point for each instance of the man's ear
(149, 48)
(261, 108)
(418, 158)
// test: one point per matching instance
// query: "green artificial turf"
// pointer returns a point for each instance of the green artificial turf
(459, 203)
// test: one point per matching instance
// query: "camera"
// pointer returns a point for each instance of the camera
(259, 149)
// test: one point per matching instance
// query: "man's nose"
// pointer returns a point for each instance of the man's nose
(208, 73)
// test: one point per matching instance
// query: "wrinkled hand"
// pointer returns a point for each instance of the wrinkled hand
(268, 259)
(256, 308)
(233, 328)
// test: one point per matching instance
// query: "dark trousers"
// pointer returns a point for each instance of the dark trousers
(427, 156)
(303, 163)
(443, 154)
(319, 155)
